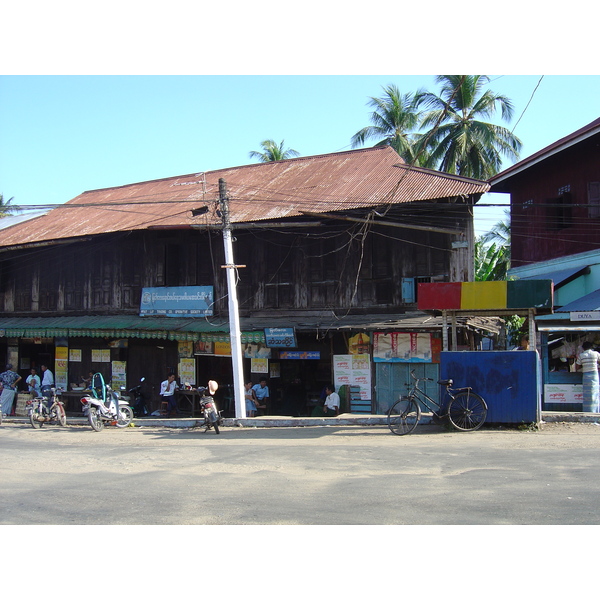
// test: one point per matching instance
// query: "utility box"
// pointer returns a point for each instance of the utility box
(509, 382)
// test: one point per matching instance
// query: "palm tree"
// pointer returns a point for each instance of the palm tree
(461, 143)
(271, 152)
(5, 208)
(395, 121)
(491, 262)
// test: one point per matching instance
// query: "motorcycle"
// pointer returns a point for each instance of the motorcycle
(212, 415)
(40, 413)
(140, 408)
(105, 406)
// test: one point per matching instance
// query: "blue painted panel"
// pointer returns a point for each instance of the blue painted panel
(392, 380)
(510, 382)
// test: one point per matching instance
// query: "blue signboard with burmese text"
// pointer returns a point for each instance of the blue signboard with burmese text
(189, 301)
(280, 337)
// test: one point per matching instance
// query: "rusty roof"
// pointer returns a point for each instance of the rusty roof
(259, 192)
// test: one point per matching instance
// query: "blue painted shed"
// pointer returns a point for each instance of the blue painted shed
(510, 382)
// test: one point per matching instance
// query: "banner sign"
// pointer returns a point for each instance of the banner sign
(299, 355)
(189, 301)
(353, 369)
(280, 337)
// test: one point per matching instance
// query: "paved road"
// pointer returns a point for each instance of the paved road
(321, 475)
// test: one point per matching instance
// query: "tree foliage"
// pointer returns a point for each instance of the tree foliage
(271, 151)
(5, 207)
(448, 131)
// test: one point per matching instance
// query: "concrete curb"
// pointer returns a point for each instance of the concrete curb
(282, 421)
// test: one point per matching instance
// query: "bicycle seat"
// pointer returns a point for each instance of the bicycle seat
(446, 382)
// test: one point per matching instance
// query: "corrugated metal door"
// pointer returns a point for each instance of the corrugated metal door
(393, 380)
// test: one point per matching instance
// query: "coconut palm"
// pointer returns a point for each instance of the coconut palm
(395, 121)
(460, 142)
(271, 152)
(5, 208)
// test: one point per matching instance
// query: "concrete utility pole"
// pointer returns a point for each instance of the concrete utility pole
(235, 333)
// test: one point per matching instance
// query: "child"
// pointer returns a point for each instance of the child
(250, 400)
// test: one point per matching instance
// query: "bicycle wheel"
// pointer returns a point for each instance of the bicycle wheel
(467, 411)
(404, 415)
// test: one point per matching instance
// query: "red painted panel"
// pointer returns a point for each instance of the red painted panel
(439, 296)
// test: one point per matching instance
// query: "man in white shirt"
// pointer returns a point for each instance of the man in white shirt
(47, 384)
(167, 391)
(589, 360)
(332, 402)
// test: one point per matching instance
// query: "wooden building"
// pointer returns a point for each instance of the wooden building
(555, 225)
(331, 246)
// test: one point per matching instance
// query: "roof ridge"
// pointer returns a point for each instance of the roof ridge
(247, 166)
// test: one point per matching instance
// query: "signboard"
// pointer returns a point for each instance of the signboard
(590, 315)
(189, 301)
(119, 374)
(299, 355)
(353, 369)
(556, 393)
(280, 337)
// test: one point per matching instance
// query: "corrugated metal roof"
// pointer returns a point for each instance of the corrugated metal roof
(327, 183)
(589, 302)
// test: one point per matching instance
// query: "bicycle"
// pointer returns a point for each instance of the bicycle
(466, 410)
(39, 413)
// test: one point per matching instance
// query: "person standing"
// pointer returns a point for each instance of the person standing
(589, 360)
(9, 380)
(250, 399)
(34, 383)
(167, 391)
(261, 392)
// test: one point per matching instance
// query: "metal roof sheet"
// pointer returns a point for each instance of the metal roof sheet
(589, 302)
(259, 192)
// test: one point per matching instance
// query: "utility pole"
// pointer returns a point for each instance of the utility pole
(235, 333)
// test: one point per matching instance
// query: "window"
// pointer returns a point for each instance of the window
(594, 199)
(558, 210)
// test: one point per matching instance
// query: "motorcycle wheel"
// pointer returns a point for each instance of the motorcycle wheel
(95, 421)
(34, 422)
(125, 416)
(61, 415)
(216, 426)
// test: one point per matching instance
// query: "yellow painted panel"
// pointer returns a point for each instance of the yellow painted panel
(483, 295)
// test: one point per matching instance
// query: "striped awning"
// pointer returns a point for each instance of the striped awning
(122, 326)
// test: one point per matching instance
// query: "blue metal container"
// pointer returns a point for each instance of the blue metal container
(509, 382)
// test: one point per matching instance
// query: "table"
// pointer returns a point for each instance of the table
(192, 397)
(71, 400)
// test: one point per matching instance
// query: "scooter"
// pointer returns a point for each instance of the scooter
(140, 408)
(39, 413)
(212, 415)
(105, 406)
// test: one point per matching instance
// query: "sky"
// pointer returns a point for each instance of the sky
(118, 96)
(63, 135)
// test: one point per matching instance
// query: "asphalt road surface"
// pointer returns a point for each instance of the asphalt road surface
(320, 475)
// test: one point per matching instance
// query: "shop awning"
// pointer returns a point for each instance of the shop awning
(191, 329)
(560, 278)
(121, 326)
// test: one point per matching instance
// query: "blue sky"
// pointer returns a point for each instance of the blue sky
(62, 135)
(115, 96)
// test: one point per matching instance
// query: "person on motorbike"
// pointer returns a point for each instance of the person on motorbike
(47, 385)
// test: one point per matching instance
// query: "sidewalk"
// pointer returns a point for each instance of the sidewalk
(345, 419)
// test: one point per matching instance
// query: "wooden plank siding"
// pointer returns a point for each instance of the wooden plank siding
(337, 266)
(552, 206)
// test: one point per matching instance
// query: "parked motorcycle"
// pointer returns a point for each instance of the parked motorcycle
(140, 408)
(212, 415)
(105, 406)
(39, 413)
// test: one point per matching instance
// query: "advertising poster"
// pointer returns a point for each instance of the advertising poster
(75, 355)
(61, 366)
(187, 371)
(259, 365)
(119, 374)
(402, 347)
(353, 369)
